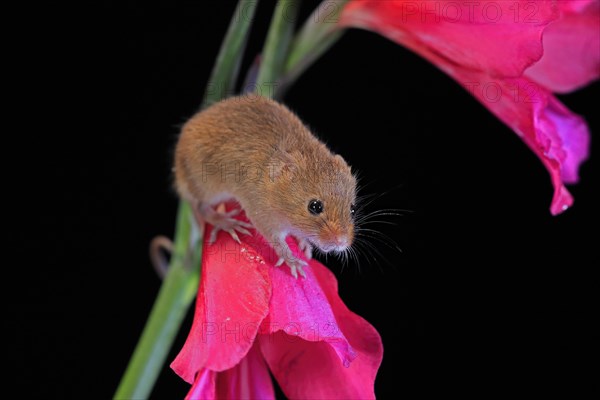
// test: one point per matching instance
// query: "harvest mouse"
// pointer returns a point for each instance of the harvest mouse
(258, 152)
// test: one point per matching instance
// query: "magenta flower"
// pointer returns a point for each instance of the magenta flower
(510, 55)
(252, 317)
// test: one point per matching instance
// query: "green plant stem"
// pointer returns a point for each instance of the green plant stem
(276, 46)
(317, 35)
(225, 71)
(174, 298)
(181, 282)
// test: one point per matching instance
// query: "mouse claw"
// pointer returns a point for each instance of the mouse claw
(243, 230)
(213, 236)
(297, 269)
(297, 266)
(244, 224)
(234, 235)
(229, 225)
(301, 270)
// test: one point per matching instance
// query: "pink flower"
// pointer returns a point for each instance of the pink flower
(252, 317)
(510, 55)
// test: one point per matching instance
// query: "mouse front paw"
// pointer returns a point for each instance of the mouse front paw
(296, 265)
(226, 222)
(221, 221)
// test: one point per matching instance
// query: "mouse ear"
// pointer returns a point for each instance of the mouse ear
(282, 164)
(340, 160)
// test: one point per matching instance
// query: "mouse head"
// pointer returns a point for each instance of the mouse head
(320, 202)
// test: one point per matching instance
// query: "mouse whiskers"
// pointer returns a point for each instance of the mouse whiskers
(366, 236)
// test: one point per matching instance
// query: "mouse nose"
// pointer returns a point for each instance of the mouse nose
(342, 241)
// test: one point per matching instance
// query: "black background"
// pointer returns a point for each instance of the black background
(491, 294)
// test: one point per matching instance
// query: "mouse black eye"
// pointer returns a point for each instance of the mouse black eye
(352, 210)
(315, 207)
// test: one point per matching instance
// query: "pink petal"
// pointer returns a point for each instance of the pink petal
(557, 136)
(500, 37)
(574, 6)
(249, 379)
(572, 148)
(233, 300)
(301, 308)
(233, 296)
(308, 364)
(205, 385)
(571, 49)
(362, 335)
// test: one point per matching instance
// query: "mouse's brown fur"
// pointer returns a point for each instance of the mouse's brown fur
(256, 151)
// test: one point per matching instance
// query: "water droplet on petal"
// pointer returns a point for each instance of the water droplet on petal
(565, 206)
